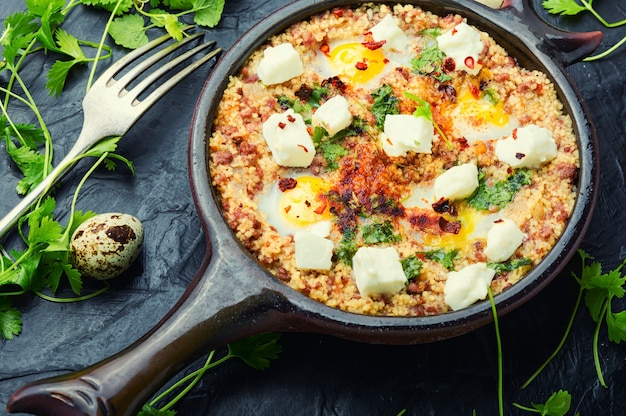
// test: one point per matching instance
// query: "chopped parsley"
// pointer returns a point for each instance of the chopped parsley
(412, 266)
(445, 258)
(510, 265)
(499, 194)
(347, 246)
(384, 103)
(429, 63)
(379, 232)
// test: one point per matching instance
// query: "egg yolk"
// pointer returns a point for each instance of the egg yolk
(305, 203)
(359, 63)
(481, 110)
(468, 218)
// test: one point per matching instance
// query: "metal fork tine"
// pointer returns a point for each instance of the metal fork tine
(167, 85)
(151, 60)
(131, 56)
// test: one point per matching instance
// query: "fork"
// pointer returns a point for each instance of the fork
(110, 109)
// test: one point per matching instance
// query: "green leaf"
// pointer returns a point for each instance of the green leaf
(148, 410)
(563, 7)
(384, 103)
(19, 31)
(10, 319)
(57, 75)
(377, 233)
(558, 404)
(69, 45)
(445, 258)
(170, 22)
(616, 323)
(347, 246)
(129, 31)
(30, 162)
(257, 351)
(207, 12)
(178, 4)
(412, 266)
(499, 194)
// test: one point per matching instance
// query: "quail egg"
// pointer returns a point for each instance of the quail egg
(105, 245)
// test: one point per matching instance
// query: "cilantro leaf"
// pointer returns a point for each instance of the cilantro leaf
(19, 31)
(423, 109)
(429, 62)
(510, 265)
(207, 12)
(257, 351)
(129, 31)
(30, 162)
(347, 246)
(563, 7)
(10, 319)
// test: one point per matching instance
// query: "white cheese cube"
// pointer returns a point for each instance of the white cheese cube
(503, 238)
(313, 251)
(403, 133)
(464, 46)
(528, 147)
(467, 285)
(321, 228)
(334, 115)
(378, 271)
(389, 31)
(279, 64)
(457, 182)
(288, 139)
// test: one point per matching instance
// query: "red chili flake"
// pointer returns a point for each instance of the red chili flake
(469, 62)
(307, 203)
(514, 134)
(475, 91)
(441, 206)
(320, 209)
(282, 125)
(361, 66)
(338, 12)
(520, 156)
(287, 209)
(290, 118)
(539, 89)
(454, 31)
(285, 184)
(389, 141)
(303, 148)
(498, 221)
(449, 227)
(373, 45)
(325, 49)
(448, 65)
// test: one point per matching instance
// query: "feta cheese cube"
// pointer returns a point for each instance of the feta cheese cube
(457, 182)
(389, 31)
(288, 139)
(279, 64)
(528, 147)
(313, 251)
(464, 46)
(378, 271)
(334, 115)
(503, 238)
(321, 228)
(403, 133)
(466, 286)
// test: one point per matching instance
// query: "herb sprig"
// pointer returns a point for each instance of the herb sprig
(572, 8)
(256, 351)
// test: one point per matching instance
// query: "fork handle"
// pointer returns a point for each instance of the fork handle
(83, 143)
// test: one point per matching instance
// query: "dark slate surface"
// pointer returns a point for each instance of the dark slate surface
(315, 375)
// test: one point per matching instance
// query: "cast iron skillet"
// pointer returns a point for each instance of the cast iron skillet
(232, 296)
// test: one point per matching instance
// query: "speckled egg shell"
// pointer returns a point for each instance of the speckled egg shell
(106, 245)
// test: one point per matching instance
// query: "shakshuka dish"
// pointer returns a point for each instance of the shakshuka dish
(384, 160)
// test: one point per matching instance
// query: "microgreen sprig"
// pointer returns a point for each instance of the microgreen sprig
(423, 109)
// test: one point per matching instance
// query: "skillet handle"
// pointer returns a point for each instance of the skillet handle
(564, 47)
(219, 307)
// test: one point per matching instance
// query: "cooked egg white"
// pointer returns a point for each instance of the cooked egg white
(297, 209)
